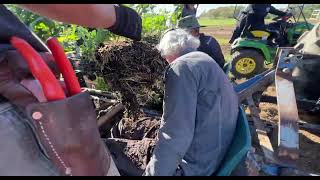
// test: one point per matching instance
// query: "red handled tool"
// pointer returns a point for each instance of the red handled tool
(50, 85)
(39, 69)
(65, 67)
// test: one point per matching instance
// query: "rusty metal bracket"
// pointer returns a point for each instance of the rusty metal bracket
(288, 135)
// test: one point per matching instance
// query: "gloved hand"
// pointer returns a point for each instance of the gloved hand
(128, 23)
(16, 79)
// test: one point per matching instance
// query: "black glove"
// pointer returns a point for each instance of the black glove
(128, 23)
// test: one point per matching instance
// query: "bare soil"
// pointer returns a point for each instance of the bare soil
(220, 32)
(131, 154)
(309, 141)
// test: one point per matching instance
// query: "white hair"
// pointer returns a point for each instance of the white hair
(177, 42)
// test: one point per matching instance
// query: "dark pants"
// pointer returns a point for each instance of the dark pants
(243, 28)
(281, 39)
(246, 22)
(21, 154)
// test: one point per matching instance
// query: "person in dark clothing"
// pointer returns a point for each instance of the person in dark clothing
(208, 44)
(252, 18)
(189, 9)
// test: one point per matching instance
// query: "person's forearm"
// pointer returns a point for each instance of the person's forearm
(165, 159)
(88, 15)
(277, 12)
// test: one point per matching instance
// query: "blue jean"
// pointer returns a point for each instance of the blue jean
(20, 154)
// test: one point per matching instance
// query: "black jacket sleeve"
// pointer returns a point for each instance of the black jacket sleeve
(211, 46)
(186, 11)
(277, 12)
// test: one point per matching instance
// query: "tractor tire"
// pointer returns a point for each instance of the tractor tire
(246, 63)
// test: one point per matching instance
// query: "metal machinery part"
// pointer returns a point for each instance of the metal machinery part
(288, 134)
(278, 160)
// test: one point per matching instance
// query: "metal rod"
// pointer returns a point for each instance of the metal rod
(288, 135)
(304, 18)
(100, 93)
(108, 117)
(259, 85)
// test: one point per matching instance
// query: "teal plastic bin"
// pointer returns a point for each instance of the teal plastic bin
(240, 145)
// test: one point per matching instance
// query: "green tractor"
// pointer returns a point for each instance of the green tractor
(251, 54)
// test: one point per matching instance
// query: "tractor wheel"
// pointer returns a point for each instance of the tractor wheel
(246, 63)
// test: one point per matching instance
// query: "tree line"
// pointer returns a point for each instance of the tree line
(228, 11)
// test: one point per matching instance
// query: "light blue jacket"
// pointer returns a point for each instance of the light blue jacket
(199, 119)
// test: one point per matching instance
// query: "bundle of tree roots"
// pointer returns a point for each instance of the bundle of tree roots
(135, 70)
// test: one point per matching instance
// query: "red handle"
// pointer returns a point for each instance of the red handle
(50, 86)
(64, 66)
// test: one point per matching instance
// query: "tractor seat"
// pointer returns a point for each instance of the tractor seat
(239, 147)
(268, 34)
(260, 34)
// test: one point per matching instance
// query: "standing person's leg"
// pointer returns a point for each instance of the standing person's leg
(273, 26)
(236, 33)
(280, 37)
(239, 28)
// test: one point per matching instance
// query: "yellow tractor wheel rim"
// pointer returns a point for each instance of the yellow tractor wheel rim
(245, 65)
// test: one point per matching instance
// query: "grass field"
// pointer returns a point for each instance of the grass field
(221, 22)
(217, 22)
(220, 29)
(223, 41)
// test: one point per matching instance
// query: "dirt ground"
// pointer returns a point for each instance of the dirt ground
(309, 141)
(220, 32)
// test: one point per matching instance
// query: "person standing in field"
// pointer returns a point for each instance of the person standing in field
(252, 18)
(189, 9)
(208, 44)
(200, 111)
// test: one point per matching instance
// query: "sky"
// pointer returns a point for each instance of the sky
(205, 7)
